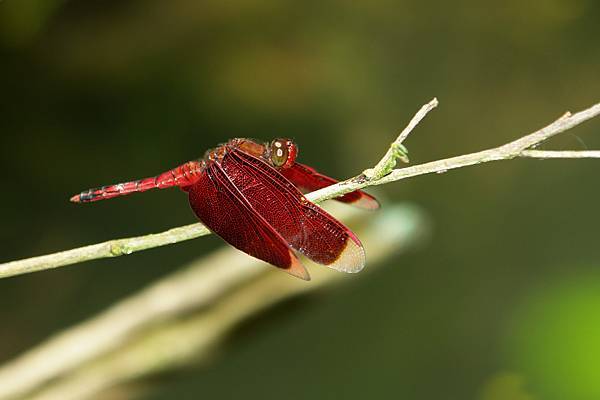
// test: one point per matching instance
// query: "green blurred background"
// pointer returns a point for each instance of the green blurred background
(503, 303)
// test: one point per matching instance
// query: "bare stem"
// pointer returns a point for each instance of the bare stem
(112, 248)
(379, 175)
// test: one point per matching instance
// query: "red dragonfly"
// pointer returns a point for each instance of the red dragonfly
(249, 194)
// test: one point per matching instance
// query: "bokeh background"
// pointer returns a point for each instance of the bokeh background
(504, 301)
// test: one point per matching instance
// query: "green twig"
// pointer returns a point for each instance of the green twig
(397, 150)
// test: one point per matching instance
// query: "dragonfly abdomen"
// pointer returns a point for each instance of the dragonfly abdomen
(182, 176)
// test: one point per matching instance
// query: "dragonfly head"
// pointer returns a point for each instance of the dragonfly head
(282, 152)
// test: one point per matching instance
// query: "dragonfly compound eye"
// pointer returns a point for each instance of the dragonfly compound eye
(279, 152)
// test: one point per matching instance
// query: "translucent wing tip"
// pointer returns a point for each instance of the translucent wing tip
(351, 259)
(366, 202)
(297, 269)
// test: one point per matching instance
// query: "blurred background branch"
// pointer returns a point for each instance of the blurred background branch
(183, 316)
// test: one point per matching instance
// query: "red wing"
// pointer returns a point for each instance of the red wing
(307, 178)
(305, 226)
(225, 211)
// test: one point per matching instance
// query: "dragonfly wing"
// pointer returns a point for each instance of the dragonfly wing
(304, 225)
(226, 212)
(307, 178)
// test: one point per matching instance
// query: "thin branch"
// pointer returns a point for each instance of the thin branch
(542, 154)
(519, 148)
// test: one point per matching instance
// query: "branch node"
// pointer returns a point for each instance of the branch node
(119, 249)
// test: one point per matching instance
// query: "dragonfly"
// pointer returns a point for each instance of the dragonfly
(251, 194)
